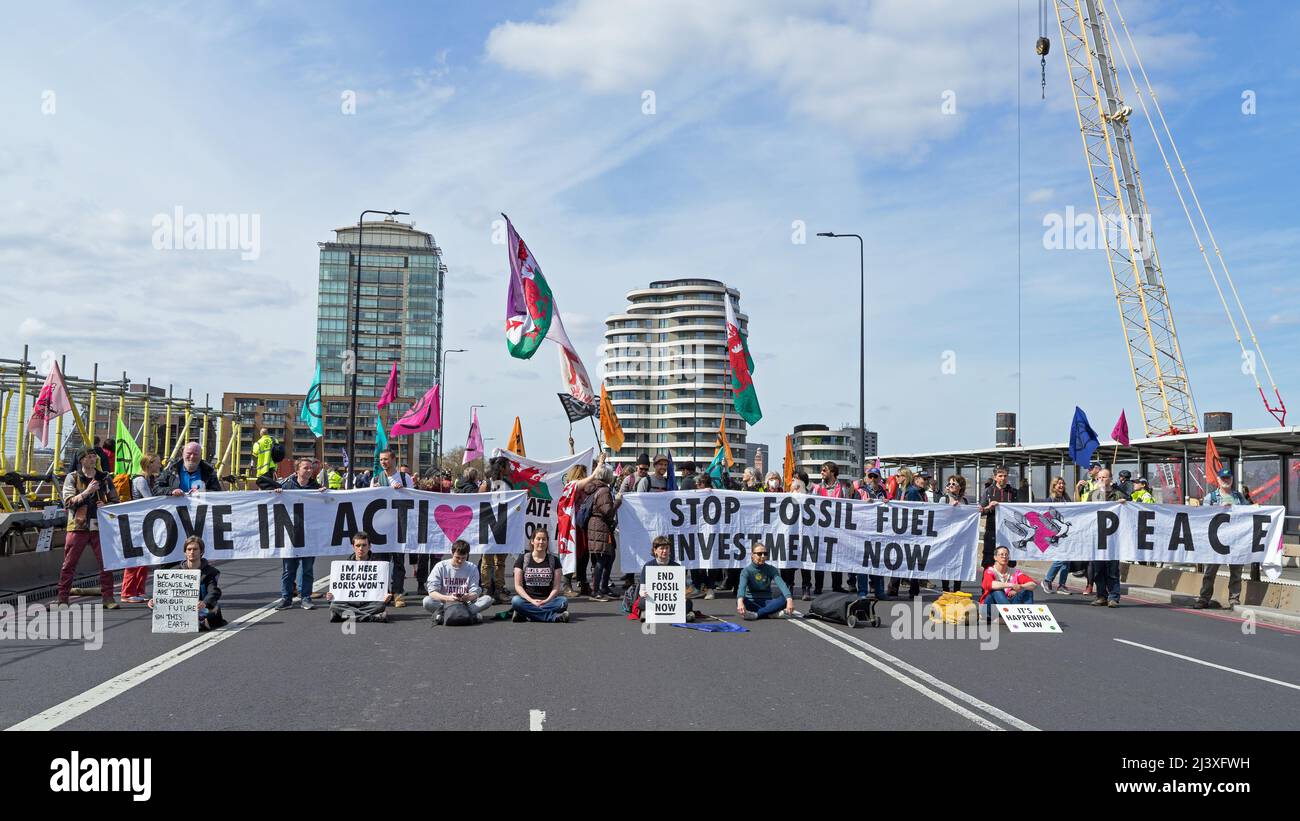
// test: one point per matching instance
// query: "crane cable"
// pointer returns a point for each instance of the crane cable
(1278, 413)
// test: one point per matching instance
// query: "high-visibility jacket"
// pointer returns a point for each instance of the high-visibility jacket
(262, 453)
(334, 481)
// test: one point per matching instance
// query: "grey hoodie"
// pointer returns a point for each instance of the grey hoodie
(449, 580)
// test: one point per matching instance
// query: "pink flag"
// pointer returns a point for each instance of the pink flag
(423, 416)
(53, 401)
(473, 445)
(390, 390)
(1120, 433)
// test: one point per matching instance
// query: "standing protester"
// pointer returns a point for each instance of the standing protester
(365, 610)
(749, 482)
(330, 478)
(836, 488)
(703, 581)
(304, 567)
(754, 597)
(537, 584)
(1225, 496)
(656, 482)
(872, 490)
(188, 474)
(134, 579)
(493, 565)
(84, 490)
(955, 495)
(686, 477)
(601, 545)
(209, 590)
(262, 461)
(390, 476)
(109, 460)
(1087, 485)
(1105, 574)
(575, 584)
(1142, 491)
(915, 493)
(456, 580)
(1056, 493)
(772, 482)
(1125, 483)
(634, 477)
(993, 495)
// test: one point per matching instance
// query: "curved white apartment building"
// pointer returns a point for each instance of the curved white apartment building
(665, 369)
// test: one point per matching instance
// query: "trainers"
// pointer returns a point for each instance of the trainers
(709, 595)
(1087, 590)
(691, 591)
(283, 604)
(437, 619)
(500, 598)
(382, 618)
(1063, 590)
(750, 615)
(1200, 604)
(597, 597)
(1112, 603)
(1098, 602)
(690, 615)
(517, 617)
(111, 605)
(135, 599)
(306, 604)
(806, 596)
(1048, 587)
(562, 617)
(398, 601)
(781, 614)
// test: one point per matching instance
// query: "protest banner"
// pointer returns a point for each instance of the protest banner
(544, 482)
(293, 523)
(1028, 618)
(359, 581)
(176, 601)
(714, 529)
(1131, 532)
(665, 594)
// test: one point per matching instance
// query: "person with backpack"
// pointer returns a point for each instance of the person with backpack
(83, 492)
(456, 581)
(836, 488)
(600, 511)
(661, 548)
(140, 486)
(538, 576)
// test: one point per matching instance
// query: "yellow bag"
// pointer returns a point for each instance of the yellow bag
(953, 608)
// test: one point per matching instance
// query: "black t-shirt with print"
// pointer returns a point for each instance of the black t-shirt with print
(539, 577)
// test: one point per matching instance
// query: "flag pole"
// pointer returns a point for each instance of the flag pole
(600, 446)
(22, 413)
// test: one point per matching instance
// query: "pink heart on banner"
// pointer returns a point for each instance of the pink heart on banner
(453, 521)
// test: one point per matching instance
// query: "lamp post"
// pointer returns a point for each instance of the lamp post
(862, 349)
(442, 403)
(356, 334)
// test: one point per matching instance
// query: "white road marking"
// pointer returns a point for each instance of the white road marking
(931, 680)
(915, 685)
(536, 718)
(60, 714)
(1210, 664)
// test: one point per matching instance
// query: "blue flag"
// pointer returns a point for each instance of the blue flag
(715, 470)
(672, 474)
(311, 414)
(1083, 439)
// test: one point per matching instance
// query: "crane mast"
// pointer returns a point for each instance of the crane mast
(1159, 376)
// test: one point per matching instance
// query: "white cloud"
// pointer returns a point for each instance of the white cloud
(30, 327)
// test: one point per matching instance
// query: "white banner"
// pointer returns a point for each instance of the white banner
(665, 594)
(290, 523)
(359, 581)
(1132, 532)
(714, 529)
(544, 482)
(176, 601)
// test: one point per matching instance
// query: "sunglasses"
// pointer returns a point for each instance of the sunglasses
(760, 552)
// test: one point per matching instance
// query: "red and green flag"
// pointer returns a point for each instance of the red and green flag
(742, 369)
(530, 304)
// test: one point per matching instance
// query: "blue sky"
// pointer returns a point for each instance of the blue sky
(765, 114)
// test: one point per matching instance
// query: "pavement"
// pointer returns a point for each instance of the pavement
(1144, 665)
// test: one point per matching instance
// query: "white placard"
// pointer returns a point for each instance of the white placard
(1028, 618)
(176, 601)
(45, 539)
(359, 581)
(665, 595)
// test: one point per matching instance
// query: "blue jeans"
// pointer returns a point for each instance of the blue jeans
(765, 607)
(546, 612)
(1023, 597)
(877, 585)
(289, 569)
(1058, 568)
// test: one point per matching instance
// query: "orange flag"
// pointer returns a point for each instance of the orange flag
(516, 443)
(609, 424)
(723, 444)
(1212, 464)
(789, 461)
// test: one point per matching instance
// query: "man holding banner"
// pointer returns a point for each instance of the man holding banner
(390, 476)
(1225, 496)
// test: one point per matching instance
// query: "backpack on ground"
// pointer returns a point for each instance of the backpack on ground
(122, 484)
(844, 608)
(457, 614)
(630, 597)
(277, 452)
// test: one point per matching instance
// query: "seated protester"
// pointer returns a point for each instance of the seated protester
(360, 610)
(1004, 584)
(538, 577)
(209, 591)
(661, 547)
(754, 599)
(456, 580)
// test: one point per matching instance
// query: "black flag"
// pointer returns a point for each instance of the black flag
(575, 409)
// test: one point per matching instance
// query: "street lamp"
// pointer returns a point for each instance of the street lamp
(442, 403)
(356, 333)
(862, 350)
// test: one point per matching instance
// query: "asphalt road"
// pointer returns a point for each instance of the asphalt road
(1110, 669)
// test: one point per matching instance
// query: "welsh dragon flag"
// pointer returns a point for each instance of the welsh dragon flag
(742, 368)
(532, 315)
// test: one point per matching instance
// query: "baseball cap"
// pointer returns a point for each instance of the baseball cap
(661, 457)
(925, 474)
(1226, 473)
(874, 472)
